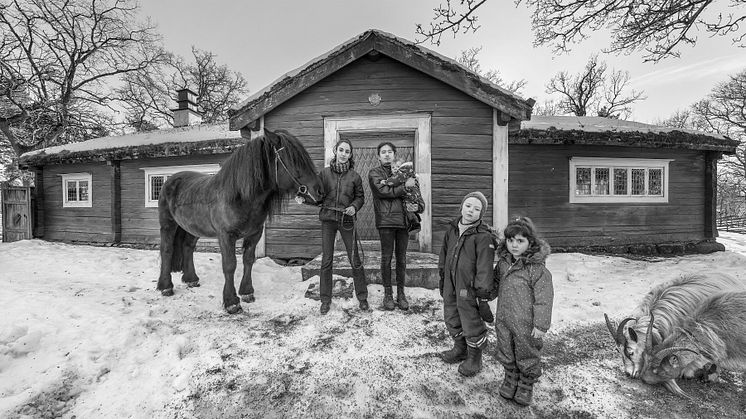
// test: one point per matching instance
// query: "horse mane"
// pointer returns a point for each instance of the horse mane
(249, 172)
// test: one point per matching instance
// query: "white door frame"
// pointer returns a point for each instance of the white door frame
(420, 124)
(499, 172)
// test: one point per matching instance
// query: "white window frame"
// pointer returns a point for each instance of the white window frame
(618, 163)
(166, 171)
(77, 177)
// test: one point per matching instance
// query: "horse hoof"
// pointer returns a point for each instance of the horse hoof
(234, 309)
(194, 284)
(167, 292)
(248, 298)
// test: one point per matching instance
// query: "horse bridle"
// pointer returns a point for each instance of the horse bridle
(302, 189)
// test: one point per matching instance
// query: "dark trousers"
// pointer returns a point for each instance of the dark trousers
(461, 312)
(393, 238)
(328, 234)
(518, 350)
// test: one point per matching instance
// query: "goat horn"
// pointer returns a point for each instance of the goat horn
(668, 351)
(620, 329)
(649, 335)
(674, 388)
(617, 334)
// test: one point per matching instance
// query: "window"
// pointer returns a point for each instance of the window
(155, 177)
(76, 190)
(598, 179)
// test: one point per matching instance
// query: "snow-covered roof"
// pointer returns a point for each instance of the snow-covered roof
(599, 124)
(595, 130)
(448, 70)
(117, 144)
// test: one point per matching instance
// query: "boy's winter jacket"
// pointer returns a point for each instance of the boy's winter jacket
(525, 291)
(468, 258)
(342, 190)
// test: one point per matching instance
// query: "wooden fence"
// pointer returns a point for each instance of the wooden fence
(732, 223)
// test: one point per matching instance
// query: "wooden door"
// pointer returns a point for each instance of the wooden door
(16, 212)
(366, 157)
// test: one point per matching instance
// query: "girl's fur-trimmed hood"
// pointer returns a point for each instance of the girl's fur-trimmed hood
(534, 255)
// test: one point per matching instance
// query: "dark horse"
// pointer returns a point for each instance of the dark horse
(232, 204)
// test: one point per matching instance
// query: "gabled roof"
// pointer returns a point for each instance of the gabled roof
(418, 57)
(596, 130)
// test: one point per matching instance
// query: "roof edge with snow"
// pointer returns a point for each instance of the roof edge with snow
(416, 56)
(589, 130)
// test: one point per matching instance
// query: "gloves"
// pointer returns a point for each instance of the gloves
(442, 274)
(485, 312)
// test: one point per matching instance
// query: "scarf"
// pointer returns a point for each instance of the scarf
(339, 167)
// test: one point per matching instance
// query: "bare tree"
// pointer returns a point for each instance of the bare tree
(657, 27)
(681, 118)
(723, 111)
(469, 59)
(56, 60)
(148, 95)
(547, 108)
(593, 91)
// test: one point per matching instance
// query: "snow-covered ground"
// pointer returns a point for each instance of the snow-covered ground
(83, 333)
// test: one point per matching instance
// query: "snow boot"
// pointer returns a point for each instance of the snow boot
(364, 305)
(401, 299)
(457, 353)
(473, 363)
(388, 299)
(525, 392)
(325, 307)
(510, 383)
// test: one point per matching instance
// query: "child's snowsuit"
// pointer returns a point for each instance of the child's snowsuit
(465, 266)
(413, 194)
(525, 297)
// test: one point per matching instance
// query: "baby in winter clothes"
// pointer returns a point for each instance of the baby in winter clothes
(401, 171)
(524, 307)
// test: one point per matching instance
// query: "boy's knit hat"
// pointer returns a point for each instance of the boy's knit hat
(480, 196)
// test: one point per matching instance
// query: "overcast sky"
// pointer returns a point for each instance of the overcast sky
(264, 40)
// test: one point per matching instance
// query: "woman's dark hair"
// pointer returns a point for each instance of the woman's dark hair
(523, 226)
(352, 152)
(386, 143)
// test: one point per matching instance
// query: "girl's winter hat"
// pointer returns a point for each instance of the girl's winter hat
(480, 196)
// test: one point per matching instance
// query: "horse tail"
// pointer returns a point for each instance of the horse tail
(177, 258)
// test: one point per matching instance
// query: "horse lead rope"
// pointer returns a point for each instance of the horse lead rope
(355, 237)
(302, 189)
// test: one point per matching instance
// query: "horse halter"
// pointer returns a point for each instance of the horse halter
(302, 189)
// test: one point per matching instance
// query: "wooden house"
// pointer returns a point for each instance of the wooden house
(584, 183)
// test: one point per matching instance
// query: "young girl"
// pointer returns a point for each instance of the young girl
(466, 281)
(524, 308)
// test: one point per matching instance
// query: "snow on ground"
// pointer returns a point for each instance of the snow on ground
(84, 334)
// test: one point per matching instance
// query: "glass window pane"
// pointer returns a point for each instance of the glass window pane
(602, 181)
(83, 190)
(72, 191)
(620, 181)
(638, 181)
(655, 182)
(582, 181)
(156, 182)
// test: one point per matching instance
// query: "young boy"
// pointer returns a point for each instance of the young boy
(401, 172)
(524, 308)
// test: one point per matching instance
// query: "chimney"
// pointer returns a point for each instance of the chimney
(186, 113)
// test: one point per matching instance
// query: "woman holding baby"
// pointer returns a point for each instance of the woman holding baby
(391, 221)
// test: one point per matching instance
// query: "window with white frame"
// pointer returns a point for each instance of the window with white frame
(155, 177)
(76, 190)
(600, 179)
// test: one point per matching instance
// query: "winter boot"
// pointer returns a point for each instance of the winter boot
(473, 363)
(525, 391)
(457, 353)
(510, 383)
(364, 305)
(401, 299)
(325, 307)
(388, 299)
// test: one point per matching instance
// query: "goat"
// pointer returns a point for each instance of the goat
(669, 302)
(715, 333)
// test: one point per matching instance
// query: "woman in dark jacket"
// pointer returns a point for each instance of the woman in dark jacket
(466, 283)
(391, 222)
(344, 198)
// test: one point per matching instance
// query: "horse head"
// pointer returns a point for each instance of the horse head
(294, 170)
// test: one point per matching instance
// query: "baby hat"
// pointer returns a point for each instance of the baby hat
(480, 196)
